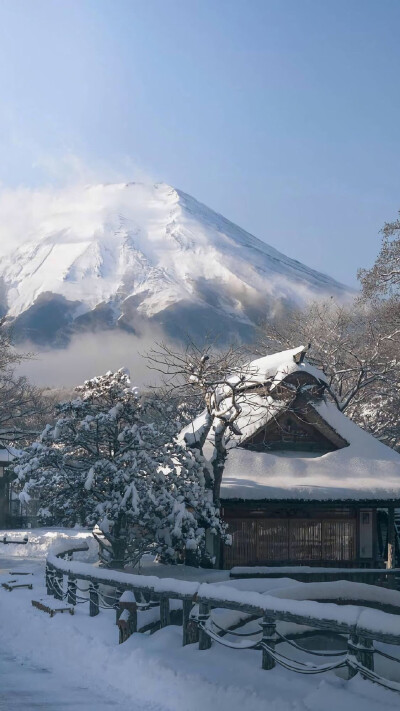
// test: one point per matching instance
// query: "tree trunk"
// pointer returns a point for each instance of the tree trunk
(218, 463)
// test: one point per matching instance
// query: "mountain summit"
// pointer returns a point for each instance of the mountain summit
(123, 255)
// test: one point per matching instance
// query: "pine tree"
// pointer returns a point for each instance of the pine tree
(112, 460)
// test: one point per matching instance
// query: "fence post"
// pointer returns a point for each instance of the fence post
(71, 590)
(165, 617)
(127, 621)
(268, 638)
(49, 586)
(366, 653)
(58, 580)
(352, 651)
(204, 616)
(94, 599)
(190, 630)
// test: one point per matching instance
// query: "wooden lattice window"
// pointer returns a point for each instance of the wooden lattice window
(262, 541)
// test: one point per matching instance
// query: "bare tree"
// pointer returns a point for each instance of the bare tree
(22, 405)
(383, 279)
(199, 377)
(381, 289)
(357, 346)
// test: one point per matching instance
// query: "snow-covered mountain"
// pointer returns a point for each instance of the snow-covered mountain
(126, 255)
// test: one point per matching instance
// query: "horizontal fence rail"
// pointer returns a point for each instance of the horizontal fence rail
(6, 541)
(135, 593)
(389, 577)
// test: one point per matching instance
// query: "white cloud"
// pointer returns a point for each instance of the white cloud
(89, 355)
(24, 209)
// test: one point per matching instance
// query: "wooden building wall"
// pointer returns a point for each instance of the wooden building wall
(295, 536)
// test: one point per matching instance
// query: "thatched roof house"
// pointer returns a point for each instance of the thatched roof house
(302, 482)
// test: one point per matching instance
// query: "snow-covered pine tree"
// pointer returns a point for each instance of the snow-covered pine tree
(112, 460)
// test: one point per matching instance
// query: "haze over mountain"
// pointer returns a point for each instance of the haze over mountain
(129, 256)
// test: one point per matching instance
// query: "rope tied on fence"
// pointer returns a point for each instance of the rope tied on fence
(224, 642)
(315, 652)
(233, 632)
(388, 656)
(373, 676)
(301, 667)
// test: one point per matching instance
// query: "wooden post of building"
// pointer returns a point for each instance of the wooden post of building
(391, 558)
(118, 595)
(165, 618)
(204, 616)
(268, 638)
(352, 651)
(93, 599)
(71, 589)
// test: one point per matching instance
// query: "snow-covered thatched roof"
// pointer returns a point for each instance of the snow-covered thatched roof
(274, 368)
(361, 469)
(257, 408)
(364, 470)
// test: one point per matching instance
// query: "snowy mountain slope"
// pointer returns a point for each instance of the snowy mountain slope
(126, 254)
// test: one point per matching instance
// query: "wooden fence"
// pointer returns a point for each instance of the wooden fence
(132, 593)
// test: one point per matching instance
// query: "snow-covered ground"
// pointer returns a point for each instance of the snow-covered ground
(75, 662)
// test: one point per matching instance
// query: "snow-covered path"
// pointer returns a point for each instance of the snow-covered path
(25, 687)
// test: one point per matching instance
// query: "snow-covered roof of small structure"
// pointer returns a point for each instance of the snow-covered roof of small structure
(277, 366)
(365, 470)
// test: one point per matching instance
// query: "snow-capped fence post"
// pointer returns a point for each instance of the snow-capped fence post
(204, 616)
(268, 640)
(71, 590)
(365, 653)
(352, 652)
(93, 599)
(165, 617)
(127, 622)
(190, 630)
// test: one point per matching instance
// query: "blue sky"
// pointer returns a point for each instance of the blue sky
(283, 115)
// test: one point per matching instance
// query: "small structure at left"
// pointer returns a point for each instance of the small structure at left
(10, 507)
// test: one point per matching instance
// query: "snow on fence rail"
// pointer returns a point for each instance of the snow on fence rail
(6, 541)
(133, 593)
(305, 573)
